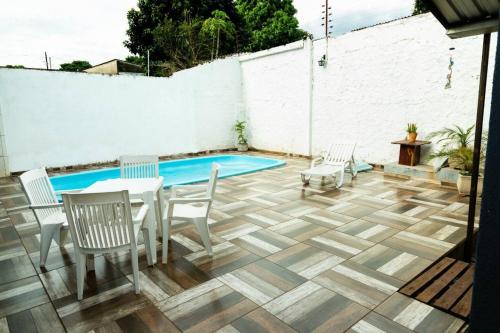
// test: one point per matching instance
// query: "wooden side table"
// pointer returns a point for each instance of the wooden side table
(409, 152)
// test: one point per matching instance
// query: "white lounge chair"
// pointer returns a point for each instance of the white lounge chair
(47, 209)
(333, 163)
(190, 209)
(102, 223)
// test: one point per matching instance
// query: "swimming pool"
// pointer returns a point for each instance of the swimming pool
(175, 172)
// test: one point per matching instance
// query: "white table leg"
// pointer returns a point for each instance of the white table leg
(148, 198)
(161, 202)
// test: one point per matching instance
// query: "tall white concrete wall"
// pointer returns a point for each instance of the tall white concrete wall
(58, 118)
(377, 80)
(275, 98)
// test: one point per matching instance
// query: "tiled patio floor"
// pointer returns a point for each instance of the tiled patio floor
(286, 259)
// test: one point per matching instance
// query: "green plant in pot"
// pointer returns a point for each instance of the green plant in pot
(457, 147)
(240, 129)
(411, 129)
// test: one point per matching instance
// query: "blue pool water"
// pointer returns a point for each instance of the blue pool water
(174, 172)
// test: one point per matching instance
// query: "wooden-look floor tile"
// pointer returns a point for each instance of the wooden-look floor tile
(266, 218)
(107, 302)
(226, 258)
(367, 230)
(295, 208)
(340, 244)
(447, 232)
(42, 318)
(148, 320)
(412, 210)
(233, 228)
(391, 219)
(418, 316)
(351, 209)
(264, 242)
(422, 246)
(327, 219)
(298, 229)
(262, 281)
(307, 261)
(207, 310)
(375, 323)
(312, 308)
(359, 283)
(258, 320)
(61, 282)
(399, 264)
(20, 295)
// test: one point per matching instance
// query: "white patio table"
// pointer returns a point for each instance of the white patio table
(139, 188)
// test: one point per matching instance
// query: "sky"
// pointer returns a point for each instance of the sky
(94, 30)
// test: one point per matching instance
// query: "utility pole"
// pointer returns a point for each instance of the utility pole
(46, 61)
(148, 62)
(50, 62)
(328, 27)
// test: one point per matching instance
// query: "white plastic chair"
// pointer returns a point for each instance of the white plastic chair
(334, 162)
(139, 166)
(47, 209)
(102, 223)
(190, 209)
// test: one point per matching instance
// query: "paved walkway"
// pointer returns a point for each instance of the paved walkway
(286, 259)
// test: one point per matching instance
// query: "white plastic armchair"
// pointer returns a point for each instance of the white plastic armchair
(334, 162)
(139, 166)
(190, 209)
(46, 208)
(103, 223)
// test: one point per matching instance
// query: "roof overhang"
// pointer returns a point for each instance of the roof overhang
(463, 18)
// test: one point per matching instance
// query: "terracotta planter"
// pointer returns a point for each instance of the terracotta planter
(411, 137)
(464, 184)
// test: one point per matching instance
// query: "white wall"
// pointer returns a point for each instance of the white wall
(275, 88)
(381, 78)
(377, 80)
(58, 118)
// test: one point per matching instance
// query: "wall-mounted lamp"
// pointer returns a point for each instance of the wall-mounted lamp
(322, 62)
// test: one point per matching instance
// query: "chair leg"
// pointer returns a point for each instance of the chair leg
(60, 236)
(135, 269)
(339, 178)
(47, 233)
(305, 180)
(147, 245)
(80, 274)
(202, 226)
(165, 239)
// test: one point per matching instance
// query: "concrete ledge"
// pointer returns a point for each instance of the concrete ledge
(427, 172)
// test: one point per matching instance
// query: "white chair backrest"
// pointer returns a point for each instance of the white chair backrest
(340, 153)
(39, 191)
(212, 182)
(99, 221)
(139, 166)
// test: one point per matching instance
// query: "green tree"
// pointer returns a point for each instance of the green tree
(214, 26)
(75, 66)
(419, 7)
(181, 45)
(14, 66)
(137, 60)
(151, 14)
(269, 23)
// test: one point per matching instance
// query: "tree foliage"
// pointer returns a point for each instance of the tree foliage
(269, 23)
(180, 34)
(419, 7)
(14, 66)
(75, 66)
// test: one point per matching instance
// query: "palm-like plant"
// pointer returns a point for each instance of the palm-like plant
(457, 147)
(214, 26)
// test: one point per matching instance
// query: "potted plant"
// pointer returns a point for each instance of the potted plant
(411, 129)
(457, 147)
(240, 128)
